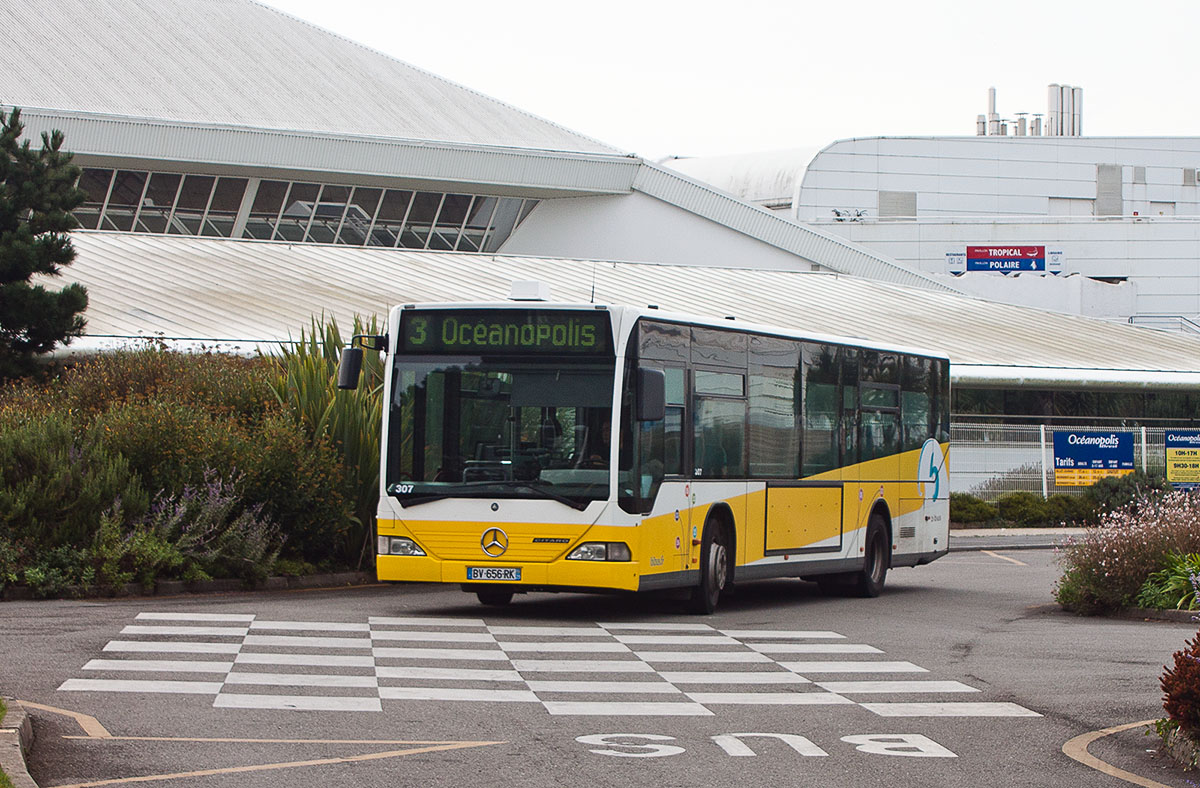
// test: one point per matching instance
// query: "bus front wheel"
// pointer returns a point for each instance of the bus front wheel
(868, 582)
(714, 570)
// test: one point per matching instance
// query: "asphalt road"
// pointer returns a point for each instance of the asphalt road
(962, 674)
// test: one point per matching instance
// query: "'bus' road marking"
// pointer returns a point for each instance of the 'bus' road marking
(1004, 558)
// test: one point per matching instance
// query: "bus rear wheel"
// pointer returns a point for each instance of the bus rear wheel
(868, 581)
(714, 570)
(494, 597)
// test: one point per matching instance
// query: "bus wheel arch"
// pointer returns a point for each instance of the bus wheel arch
(718, 545)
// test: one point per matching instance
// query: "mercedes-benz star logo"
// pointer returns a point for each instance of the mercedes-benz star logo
(494, 542)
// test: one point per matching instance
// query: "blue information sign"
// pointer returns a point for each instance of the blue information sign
(1080, 458)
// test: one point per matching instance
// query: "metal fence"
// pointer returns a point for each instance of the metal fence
(989, 460)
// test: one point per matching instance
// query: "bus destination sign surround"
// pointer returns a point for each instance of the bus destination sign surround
(1082, 458)
(517, 331)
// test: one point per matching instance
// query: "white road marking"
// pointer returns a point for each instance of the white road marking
(485, 654)
(780, 633)
(703, 656)
(626, 708)
(581, 666)
(432, 637)
(733, 677)
(229, 700)
(230, 617)
(616, 687)
(855, 687)
(550, 631)
(949, 710)
(659, 627)
(455, 693)
(158, 629)
(678, 640)
(771, 698)
(173, 647)
(566, 647)
(301, 680)
(452, 674)
(318, 660)
(814, 648)
(862, 666)
(130, 685)
(302, 641)
(311, 626)
(160, 665)
(418, 621)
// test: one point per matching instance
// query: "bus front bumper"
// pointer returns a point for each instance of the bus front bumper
(608, 575)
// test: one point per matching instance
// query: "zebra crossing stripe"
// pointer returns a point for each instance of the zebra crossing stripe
(159, 629)
(771, 698)
(310, 626)
(301, 680)
(813, 648)
(173, 647)
(860, 666)
(455, 693)
(229, 617)
(632, 687)
(132, 685)
(733, 677)
(449, 674)
(856, 687)
(949, 710)
(306, 660)
(297, 702)
(626, 708)
(160, 665)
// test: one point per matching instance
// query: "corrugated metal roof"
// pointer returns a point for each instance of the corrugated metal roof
(242, 63)
(220, 290)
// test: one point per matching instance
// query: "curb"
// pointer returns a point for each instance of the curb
(1150, 614)
(16, 738)
(176, 587)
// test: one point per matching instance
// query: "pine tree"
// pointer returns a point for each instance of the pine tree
(37, 195)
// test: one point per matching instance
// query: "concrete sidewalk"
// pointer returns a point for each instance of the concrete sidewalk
(1011, 538)
(16, 737)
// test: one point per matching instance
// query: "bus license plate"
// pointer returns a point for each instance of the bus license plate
(502, 573)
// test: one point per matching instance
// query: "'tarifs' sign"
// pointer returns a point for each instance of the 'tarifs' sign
(1081, 458)
(1006, 258)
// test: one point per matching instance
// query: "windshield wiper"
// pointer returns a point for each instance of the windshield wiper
(533, 485)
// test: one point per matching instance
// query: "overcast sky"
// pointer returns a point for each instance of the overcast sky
(701, 79)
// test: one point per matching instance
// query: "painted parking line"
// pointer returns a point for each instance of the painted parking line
(1004, 558)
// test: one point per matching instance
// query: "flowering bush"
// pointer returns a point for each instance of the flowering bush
(1107, 567)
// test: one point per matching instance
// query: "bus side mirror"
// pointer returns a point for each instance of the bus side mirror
(651, 394)
(350, 367)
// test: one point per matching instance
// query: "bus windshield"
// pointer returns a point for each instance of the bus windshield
(499, 427)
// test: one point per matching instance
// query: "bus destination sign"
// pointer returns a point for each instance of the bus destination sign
(508, 331)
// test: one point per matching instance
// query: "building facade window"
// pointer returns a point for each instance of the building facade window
(165, 203)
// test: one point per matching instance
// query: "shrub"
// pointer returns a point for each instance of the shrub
(1106, 567)
(305, 383)
(1181, 687)
(53, 486)
(965, 508)
(1061, 508)
(1115, 492)
(1022, 507)
(1174, 586)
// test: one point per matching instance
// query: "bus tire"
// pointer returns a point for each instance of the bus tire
(868, 581)
(714, 570)
(494, 597)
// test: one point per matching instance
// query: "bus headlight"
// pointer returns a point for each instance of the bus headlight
(397, 545)
(601, 551)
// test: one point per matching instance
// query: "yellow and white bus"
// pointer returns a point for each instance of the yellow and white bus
(583, 447)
